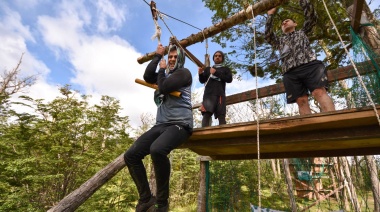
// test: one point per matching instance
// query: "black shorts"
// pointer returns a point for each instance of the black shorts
(215, 105)
(304, 79)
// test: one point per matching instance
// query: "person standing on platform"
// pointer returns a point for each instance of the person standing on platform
(302, 72)
(214, 97)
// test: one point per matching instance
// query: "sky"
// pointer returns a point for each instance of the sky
(93, 45)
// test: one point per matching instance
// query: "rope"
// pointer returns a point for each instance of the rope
(178, 43)
(257, 110)
(207, 63)
(155, 13)
(353, 64)
(157, 33)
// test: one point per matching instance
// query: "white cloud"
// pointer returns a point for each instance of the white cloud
(14, 36)
(102, 65)
(110, 17)
(109, 67)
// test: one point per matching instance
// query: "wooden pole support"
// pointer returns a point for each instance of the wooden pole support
(154, 86)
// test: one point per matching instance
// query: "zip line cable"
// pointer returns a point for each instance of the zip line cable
(176, 18)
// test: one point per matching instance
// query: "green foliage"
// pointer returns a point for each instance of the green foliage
(234, 185)
(184, 179)
(240, 38)
(49, 153)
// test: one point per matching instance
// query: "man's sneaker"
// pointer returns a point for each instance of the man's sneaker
(160, 209)
(144, 206)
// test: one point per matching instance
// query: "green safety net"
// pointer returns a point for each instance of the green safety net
(365, 59)
(304, 169)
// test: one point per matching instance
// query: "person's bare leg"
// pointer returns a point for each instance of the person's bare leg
(303, 105)
(324, 100)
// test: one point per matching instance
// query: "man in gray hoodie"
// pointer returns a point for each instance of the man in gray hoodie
(174, 125)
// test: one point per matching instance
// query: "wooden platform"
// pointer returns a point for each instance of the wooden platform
(339, 133)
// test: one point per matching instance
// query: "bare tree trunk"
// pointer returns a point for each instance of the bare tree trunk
(350, 186)
(76, 198)
(332, 177)
(359, 175)
(317, 182)
(278, 168)
(371, 164)
(273, 166)
(342, 181)
(288, 179)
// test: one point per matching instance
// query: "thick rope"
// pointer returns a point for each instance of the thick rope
(155, 13)
(207, 63)
(157, 34)
(257, 110)
(353, 64)
(178, 43)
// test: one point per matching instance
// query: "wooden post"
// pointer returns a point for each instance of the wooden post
(357, 12)
(203, 184)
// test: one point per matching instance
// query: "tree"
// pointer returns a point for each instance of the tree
(240, 37)
(47, 154)
(11, 82)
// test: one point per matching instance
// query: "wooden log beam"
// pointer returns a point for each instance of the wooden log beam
(333, 75)
(194, 59)
(76, 198)
(356, 15)
(238, 18)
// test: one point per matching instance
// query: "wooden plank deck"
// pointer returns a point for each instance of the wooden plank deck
(339, 133)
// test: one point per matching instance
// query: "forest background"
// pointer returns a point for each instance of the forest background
(51, 150)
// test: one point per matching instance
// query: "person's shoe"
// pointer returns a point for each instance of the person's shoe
(160, 209)
(144, 206)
